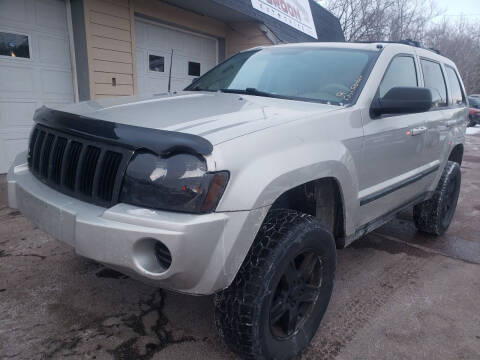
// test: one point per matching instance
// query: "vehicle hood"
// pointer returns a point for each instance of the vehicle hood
(215, 116)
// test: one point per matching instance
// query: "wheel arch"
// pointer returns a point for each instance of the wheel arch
(456, 154)
(322, 198)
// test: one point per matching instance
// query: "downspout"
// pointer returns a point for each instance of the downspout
(270, 35)
(72, 50)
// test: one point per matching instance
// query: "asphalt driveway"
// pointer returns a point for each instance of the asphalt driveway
(398, 295)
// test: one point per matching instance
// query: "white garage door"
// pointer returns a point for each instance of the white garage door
(193, 55)
(34, 68)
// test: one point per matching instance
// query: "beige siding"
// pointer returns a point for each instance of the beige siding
(110, 47)
(244, 35)
(106, 78)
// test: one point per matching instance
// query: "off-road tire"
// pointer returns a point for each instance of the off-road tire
(434, 216)
(242, 311)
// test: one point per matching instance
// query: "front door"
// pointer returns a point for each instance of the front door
(392, 151)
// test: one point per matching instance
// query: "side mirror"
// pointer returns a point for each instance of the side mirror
(402, 100)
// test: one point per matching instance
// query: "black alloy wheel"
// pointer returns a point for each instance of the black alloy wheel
(295, 294)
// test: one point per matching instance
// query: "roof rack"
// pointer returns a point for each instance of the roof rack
(404, 42)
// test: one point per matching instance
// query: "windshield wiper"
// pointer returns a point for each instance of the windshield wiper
(251, 91)
(255, 92)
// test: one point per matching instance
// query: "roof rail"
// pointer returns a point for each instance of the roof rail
(410, 42)
(404, 42)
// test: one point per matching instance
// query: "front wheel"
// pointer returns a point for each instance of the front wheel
(279, 296)
(434, 216)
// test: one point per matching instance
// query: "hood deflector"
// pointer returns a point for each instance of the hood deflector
(160, 142)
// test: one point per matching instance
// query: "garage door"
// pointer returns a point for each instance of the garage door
(192, 55)
(34, 68)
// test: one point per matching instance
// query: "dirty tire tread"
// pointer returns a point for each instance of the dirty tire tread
(427, 215)
(238, 306)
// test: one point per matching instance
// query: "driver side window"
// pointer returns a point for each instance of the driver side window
(400, 72)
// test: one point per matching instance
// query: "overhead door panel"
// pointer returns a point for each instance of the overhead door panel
(43, 77)
(160, 48)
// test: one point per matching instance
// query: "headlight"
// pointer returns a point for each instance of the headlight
(177, 183)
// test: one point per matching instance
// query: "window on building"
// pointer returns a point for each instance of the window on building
(434, 80)
(193, 68)
(14, 45)
(156, 63)
(456, 93)
(400, 72)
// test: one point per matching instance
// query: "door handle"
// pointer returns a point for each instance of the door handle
(418, 130)
(452, 123)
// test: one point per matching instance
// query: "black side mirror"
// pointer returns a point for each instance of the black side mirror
(402, 100)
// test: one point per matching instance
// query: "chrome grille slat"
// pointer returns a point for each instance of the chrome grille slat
(78, 167)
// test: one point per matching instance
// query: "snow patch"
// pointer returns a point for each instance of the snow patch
(473, 130)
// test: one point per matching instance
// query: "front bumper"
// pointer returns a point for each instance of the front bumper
(206, 250)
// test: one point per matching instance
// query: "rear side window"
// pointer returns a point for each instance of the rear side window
(433, 78)
(456, 94)
(400, 72)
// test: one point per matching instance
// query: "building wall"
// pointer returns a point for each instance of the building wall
(110, 39)
(110, 47)
(244, 35)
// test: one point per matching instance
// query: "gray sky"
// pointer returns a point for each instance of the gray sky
(453, 8)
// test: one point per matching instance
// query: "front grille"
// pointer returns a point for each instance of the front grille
(78, 167)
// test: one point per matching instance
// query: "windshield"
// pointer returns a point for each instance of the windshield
(323, 75)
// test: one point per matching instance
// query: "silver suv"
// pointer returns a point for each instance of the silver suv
(246, 183)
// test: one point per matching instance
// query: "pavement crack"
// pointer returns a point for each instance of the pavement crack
(152, 329)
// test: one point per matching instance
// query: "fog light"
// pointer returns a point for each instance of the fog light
(152, 255)
(163, 255)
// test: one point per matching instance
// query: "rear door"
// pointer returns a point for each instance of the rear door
(457, 113)
(393, 145)
(436, 139)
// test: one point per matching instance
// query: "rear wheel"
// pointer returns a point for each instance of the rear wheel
(279, 296)
(434, 216)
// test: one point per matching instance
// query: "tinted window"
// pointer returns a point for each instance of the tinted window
(193, 68)
(433, 78)
(156, 63)
(401, 72)
(300, 73)
(456, 94)
(14, 45)
(474, 102)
